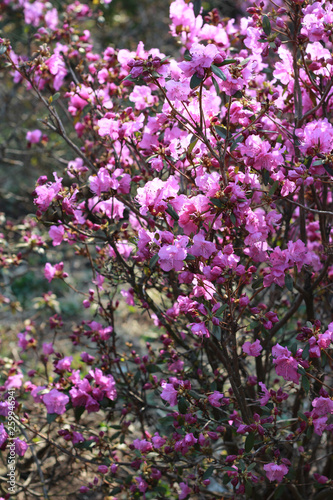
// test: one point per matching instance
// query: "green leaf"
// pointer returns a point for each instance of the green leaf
(245, 61)
(78, 412)
(190, 257)
(226, 61)
(221, 131)
(249, 442)
(289, 282)
(301, 370)
(51, 417)
(265, 177)
(238, 94)
(196, 7)
(248, 489)
(191, 146)
(233, 218)
(302, 416)
(216, 86)
(280, 490)
(266, 25)
(172, 212)
(195, 81)
(153, 261)
(3, 49)
(208, 472)
(187, 55)
(305, 383)
(257, 284)
(273, 188)
(55, 96)
(218, 72)
(153, 368)
(328, 169)
(216, 202)
(183, 405)
(221, 309)
(216, 331)
(305, 353)
(195, 395)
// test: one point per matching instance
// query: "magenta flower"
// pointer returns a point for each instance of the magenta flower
(252, 349)
(169, 393)
(185, 491)
(20, 447)
(55, 401)
(34, 136)
(56, 233)
(3, 435)
(275, 472)
(214, 399)
(285, 364)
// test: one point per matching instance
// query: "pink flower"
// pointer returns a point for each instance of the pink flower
(322, 406)
(214, 399)
(55, 401)
(185, 491)
(172, 256)
(143, 445)
(285, 364)
(50, 272)
(202, 57)
(34, 136)
(158, 441)
(48, 348)
(252, 349)
(199, 329)
(319, 425)
(20, 447)
(64, 364)
(169, 393)
(103, 469)
(275, 472)
(3, 435)
(201, 247)
(56, 233)
(265, 395)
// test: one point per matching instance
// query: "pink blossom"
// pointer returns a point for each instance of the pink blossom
(214, 399)
(169, 393)
(3, 435)
(202, 57)
(64, 364)
(275, 472)
(143, 445)
(285, 364)
(50, 272)
(319, 425)
(20, 447)
(48, 348)
(173, 256)
(185, 491)
(322, 406)
(201, 247)
(199, 329)
(252, 349)
(34, 136)
(56, 233)
(55, 401)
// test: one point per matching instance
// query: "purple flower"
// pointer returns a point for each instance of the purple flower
(275, 472)
(169, 393)
(55, 401)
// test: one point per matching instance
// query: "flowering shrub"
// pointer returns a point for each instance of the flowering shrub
(199, 192)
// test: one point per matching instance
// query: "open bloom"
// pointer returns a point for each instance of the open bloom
(276, 472)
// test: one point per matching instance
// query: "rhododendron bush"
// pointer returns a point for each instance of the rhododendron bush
(199, 192)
